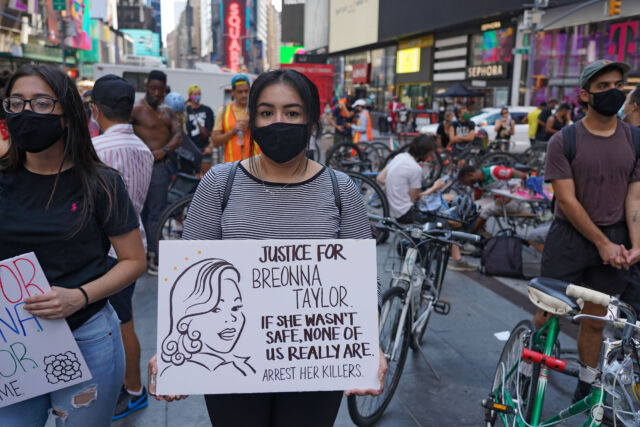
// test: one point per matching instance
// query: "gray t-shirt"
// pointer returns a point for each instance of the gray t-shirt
(602, 169)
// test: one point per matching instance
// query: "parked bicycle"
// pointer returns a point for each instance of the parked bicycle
(408, 304)
(518, 392)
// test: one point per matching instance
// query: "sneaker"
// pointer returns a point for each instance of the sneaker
(461, 265)
(128, 403)
(468, 249)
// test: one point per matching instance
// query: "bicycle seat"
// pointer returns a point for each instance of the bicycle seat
(550, 295)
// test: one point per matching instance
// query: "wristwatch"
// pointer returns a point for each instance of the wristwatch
(165, 149)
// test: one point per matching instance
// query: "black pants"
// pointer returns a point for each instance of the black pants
(156, 201)
(310, 409)
(569, 256)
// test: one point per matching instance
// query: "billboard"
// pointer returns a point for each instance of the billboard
(145, 42)
(78, 27)
(234, 25)
(292, 21)
(354, 23)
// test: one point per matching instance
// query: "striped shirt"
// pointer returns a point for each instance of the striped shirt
(257, 210)
(120, 149)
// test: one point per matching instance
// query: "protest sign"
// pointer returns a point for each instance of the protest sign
(37, 356)
(245, 316)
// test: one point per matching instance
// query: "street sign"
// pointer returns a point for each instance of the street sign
(59, 5)
(521, 51)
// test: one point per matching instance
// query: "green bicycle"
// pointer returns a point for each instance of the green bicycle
(519, 385)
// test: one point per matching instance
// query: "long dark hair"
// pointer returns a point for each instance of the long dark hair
(305, 88)
(87, 167)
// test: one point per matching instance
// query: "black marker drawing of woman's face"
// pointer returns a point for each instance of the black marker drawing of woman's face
(222, 325)
(206, 313)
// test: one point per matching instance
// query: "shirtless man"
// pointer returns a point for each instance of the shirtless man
(156, 125)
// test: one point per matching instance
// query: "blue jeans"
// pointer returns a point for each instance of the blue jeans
(90, 403)
(156, 201)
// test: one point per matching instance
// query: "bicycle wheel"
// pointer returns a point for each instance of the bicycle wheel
(391, 155)
(375, 201)
(435, 266)
(372, 155)
(171, 221)
(383, 152)
(522, 383)
(346, 156)
(497, 158)
(366, 410)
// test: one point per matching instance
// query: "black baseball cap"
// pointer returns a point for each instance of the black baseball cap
(113, 91)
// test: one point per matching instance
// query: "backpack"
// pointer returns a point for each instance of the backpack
(234, 169)
(502, 256)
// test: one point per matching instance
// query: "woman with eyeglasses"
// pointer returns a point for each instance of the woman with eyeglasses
(59, 201)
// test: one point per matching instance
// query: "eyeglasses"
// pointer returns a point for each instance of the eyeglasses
(40, 105)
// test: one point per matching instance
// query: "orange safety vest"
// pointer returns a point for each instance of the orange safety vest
(358, 135)
(233, 151)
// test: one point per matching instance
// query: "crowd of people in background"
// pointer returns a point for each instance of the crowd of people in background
(111, 160)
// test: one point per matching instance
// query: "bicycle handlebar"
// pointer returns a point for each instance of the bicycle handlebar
(588, 295)
(467, 237)
(447, 234)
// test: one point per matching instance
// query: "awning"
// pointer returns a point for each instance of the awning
(596, 12)
(458, 90)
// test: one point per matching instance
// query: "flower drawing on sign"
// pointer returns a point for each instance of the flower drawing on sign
(62, 367)
(206, 319)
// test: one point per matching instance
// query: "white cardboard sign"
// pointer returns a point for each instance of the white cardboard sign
(37, 356)
(244, 316)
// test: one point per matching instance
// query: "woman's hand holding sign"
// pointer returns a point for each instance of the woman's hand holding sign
(55, 304)
(382, 370)
(153, 373)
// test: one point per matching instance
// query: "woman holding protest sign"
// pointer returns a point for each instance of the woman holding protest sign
(280, 194)
(59, 201)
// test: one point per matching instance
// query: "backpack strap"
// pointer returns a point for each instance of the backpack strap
(227, 188)
(569, 142)
(336, 189)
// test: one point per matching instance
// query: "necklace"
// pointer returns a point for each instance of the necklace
(275, 190)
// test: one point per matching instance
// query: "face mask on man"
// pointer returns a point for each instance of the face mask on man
(621, 114)
(608, 103)
(282, 142)
(33, 132)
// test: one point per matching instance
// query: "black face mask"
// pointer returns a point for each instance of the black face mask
(281, 142)
(608, 102)
(151, 100)
(33, 132)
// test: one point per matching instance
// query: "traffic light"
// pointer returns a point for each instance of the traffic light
(614, 7)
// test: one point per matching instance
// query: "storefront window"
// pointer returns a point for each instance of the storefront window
(560, 55)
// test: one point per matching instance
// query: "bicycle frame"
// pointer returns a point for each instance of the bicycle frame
(593, 401)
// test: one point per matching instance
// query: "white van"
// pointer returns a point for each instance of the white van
(215, 85)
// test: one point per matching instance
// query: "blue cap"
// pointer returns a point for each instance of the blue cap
(239, 79)
(175, 101)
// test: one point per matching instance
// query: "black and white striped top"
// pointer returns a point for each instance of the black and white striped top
(257, 210)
